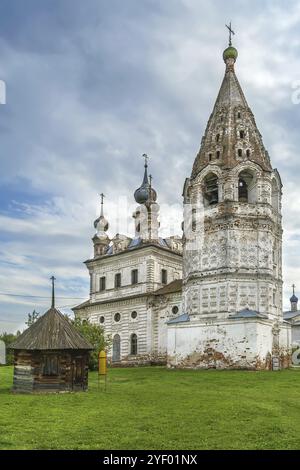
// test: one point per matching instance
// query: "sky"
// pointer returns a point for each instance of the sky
(90, 87)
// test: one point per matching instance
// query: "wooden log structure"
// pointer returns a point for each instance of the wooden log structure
(50, 356)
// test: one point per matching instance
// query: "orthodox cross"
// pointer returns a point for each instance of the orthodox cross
(231, 32)
(102, 199)
(145, 156)
(293, 286)
(53, 294)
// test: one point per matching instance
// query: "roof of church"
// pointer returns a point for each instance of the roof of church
(174, 286)
(181, 319)
(51, 331)
(290, 314)
(247, 313)
(137, 244)
(231, 114)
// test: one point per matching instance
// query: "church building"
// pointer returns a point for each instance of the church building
(226, 312)
(135, 283)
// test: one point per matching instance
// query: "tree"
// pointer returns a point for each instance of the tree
(94, 334)
(31, 318)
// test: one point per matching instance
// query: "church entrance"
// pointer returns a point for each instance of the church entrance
(116, 348)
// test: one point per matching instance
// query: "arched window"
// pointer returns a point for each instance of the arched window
(133, 344)
(217, 137)
(116, 348)
(247, 187)
(242, 134)
(210, 190)
(243, 190)
(240, 152)
(218, 154)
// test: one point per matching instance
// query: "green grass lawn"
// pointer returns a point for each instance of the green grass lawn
(155, 408)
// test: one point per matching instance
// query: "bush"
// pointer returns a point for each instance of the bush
(94, 334)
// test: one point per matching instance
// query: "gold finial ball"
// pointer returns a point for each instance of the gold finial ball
(230, 53)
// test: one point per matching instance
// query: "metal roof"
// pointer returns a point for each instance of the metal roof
(181, 319)
(247, 313)
(174, 286)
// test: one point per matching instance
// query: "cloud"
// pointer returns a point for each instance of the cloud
(90, 87)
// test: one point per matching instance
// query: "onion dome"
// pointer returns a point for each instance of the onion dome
(145, 192)
(230, 53)
(101, 224)
(294, 298)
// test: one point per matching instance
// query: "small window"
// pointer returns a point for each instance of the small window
(164, 276)
(242, 134)
(175, 309)
(118, 280)
(248, 153)
(274, 297)
(194, 223)
(102, 284)
(217, 137)
(239, 115)
(133, 344)
(50, 365)
(102, 319)
(134, 276)
(133, 315)
(117, 317)
(210, 157)
(218, 154)
(240, 152)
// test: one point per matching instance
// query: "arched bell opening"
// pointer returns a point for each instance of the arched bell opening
(210, 190)
(247, 188)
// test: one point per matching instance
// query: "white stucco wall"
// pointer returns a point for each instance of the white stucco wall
(226, 344)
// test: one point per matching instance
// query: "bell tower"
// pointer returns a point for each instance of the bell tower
(232, 273)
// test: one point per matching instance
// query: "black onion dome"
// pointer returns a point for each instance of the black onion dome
(141, 195)
(145, 193)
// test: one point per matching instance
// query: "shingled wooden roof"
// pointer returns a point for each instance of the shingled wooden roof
(51, 331)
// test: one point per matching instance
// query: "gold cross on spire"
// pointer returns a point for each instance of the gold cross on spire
(293, 286)
(231, 32)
